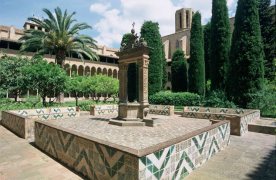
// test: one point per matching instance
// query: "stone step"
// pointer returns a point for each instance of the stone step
(126, 123)
(263, 125)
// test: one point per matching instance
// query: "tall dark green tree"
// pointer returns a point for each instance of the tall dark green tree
(150, 32)
(179, 72)
(268, 31)
(164, 74)
(132, 74)
(196, 61)
(246, 67)
(207, 44)
(220, 44)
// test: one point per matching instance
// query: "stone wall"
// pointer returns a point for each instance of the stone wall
(91, 159)
(161, 110)
(21, 122)
(239, 118)
(103, 109)
(97, 161)
(110, 109)
(16, 123)
(179, 160)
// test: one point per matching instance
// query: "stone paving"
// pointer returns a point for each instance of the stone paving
(133, 137)
(20, 160)
(252, 156)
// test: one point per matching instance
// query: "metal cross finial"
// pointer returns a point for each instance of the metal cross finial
(133, 24)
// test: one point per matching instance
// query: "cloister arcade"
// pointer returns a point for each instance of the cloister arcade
(90, 70)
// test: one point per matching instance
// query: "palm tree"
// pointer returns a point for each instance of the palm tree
(61, 37)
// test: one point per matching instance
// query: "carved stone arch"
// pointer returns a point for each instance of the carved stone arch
(74, 70)
(109, 72)
(99, 70)
(87, 71)
(80, 70)
(93, 71)
(104, 71)
(115, 73)
(67, 68)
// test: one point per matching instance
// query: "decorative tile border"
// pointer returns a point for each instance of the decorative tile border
(97, 161)
(239, 118)
(91, 159)
(16, 123)
(103, 109)
(179, 160)
(161, 110)
(215, 110)
(110, 109)
(21, 122)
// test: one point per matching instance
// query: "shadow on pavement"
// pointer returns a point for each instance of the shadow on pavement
(266, 169)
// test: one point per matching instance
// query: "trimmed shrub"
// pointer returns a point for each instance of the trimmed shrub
(265, 100)
(217, 99)
(176, 99)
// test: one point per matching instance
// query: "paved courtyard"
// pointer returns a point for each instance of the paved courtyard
(20, 160)
(97, 128)
(251, 157)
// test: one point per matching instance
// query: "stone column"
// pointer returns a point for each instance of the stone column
(143, 80)
(123, 83)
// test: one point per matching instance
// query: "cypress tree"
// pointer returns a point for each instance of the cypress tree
(164, 75)
(246, 68)
(179, 71)
(220, 44)
(196, 61)
(150, 32)
(207, 43)
(132, 74)
(268, 30)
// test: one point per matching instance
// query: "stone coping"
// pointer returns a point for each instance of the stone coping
(141, 152)
(245, 111)
(16, 114)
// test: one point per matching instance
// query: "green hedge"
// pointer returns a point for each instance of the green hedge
(176, 99)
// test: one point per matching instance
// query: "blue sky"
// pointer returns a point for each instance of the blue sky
(110, 19)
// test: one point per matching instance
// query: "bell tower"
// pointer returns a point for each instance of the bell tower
(183, 19)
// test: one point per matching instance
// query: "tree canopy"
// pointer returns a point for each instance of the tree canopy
(12, 77)
(150, 32)
(196, 61)
(179, 72)
(48, 79)
(220, 44)
(61, 36)
(246, 68)
(268, 32)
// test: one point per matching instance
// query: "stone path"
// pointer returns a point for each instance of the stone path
(20, 160)
(251, 157)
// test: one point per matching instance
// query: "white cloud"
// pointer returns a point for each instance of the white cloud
(115, 22)
(99, 8)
